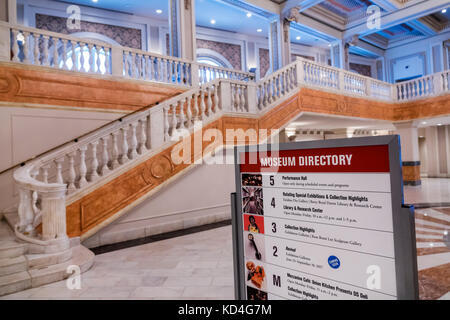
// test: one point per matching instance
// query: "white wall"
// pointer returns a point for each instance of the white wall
(411, 54)
(198, 197)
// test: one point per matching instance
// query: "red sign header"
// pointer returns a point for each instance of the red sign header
(341, 159)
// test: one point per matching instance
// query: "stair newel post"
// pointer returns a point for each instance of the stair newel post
(224, 91)
(252, 99)
(53, 204)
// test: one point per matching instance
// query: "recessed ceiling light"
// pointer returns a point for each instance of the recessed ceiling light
(158, 11)
(94, 1)
(329, 44)
(258, 30)
(298, 37)
(439, 124)
(444, 10)
(424, 122)
(213, 21)
(249, 15)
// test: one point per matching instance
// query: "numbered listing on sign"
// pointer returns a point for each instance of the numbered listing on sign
(319, 235)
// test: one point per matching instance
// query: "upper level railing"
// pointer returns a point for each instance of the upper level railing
(60, 51)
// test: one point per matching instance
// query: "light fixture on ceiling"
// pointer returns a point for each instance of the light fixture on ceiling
(298, 37)
(158, 11)
(329, 44)
(213, 21)
(424, 122)
(94, 1)
(258, 30)
(249, 15)
(444, 10)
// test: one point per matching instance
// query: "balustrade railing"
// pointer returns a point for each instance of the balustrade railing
(415, 89)
(208, 73)
(42, 48)
(144, 65)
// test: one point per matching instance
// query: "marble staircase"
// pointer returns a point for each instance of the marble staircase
(20, 269)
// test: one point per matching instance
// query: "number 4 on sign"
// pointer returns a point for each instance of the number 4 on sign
(374, 280)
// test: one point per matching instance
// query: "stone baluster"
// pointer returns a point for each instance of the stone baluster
(166, 123)
(158, 76)
(36, 49)
(105, 156)
(182, 116)
(142, 135)
(174, 118)
(189, 111)
(196, 113)
(124, 157)
(202, 106)
(242, 99)
(82, 66)
(236, 98)
(133, 142)
(15, 46)
(45, 173)
(72, 175)
(93, 174)
(126, 65)
(209, 101)
(216, 97)
(177, 71)
(91, 51)
(55, 42)
(133, 65)
(232, 96)
(115, 151)
(64, 54)
(46, 57)
(26, 48)
(259, 96)
(74, 56)
(269, 91)
(58, 165)
(107, 52)
(99, 62)
(83, 169)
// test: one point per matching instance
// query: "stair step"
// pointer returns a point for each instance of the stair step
(14, 282)
(81, 256)
(12, 249)
(37, 261)
(12, 265)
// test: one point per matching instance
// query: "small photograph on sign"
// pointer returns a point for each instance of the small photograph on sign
(253, 223)
(252, 200)
(251, 179)
(255, 294)
(254, 246)
(256, 275)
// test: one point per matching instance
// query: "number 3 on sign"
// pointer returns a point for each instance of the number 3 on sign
(274, 227)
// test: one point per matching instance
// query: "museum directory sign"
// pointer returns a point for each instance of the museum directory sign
(323, 220)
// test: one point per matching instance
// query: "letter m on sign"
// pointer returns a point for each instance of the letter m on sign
(276, 280)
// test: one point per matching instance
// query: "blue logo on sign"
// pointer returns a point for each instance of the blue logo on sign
(334, 262)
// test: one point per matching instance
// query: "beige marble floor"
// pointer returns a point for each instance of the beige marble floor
(432, 190)
(199, 266)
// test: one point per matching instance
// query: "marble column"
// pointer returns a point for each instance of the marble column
(182, 29)
(275, 44)
(286, 43)
(8, 11)
(335, 55)
(409, 140)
